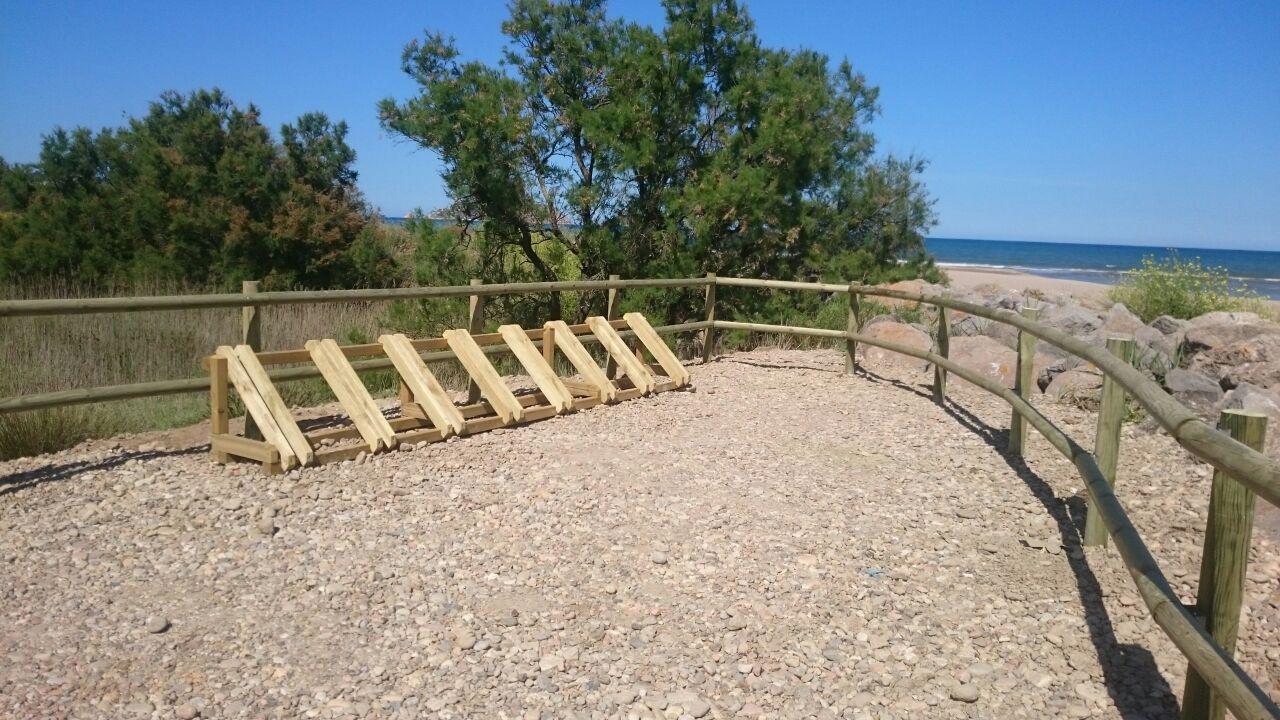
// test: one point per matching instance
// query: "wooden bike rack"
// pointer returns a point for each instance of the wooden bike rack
(427, 413)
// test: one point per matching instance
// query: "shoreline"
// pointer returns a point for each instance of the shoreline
(968, 277)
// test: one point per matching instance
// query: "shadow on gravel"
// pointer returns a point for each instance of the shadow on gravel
(1129, 671)
(53, 473)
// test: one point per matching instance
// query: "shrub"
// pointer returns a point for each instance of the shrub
(1182, 289)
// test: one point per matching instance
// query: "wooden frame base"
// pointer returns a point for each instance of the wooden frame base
(412, 426)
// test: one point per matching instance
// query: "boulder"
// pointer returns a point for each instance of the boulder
(1197, 391)
(1071, 319)
(1081, 386)
(1169, 325)
(1218, 341)
(991, 358)
(892, 331)
(1265, 375)
(1153, 350)
(968, 325)
(1058, 366)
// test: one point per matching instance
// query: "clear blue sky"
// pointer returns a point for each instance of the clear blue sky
(1137, 123)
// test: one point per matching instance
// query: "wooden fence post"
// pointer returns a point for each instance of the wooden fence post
(219, 418)
(852, 325)
(1023, 382)
(1106, 443)
(475, 326)
(251, 335)
(611, 313)
(709, 335)
(944, 349)
(1222, 567)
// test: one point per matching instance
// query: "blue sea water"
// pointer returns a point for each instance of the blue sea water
(1256, 270)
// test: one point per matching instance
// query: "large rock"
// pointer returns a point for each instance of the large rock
(1197, 391)
(1263, 374)
(892, 331)
(1169, 325)
(1218, 341)
(1153, 350)
(1071, 319)
(1081, 386)
(989, 357)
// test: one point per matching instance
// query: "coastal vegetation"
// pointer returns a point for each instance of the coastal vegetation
(598, 146)
(1183, 289)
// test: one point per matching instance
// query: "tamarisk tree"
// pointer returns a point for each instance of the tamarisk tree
(603, 146)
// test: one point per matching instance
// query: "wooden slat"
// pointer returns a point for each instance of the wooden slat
(485, 376)
(543, 375)
(352, 394)
(243, 447)
(275, 405)
(613, 343)
(581, 360)
(256, 407)
(427, 391)
(671, 365)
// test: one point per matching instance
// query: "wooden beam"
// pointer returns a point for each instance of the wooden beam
(709, 309)
(484, 375)
(246, 448)
(1024, 381)
(1106, 442)
(427, 390)
(219, 415)
(671, 365)
(1222, 567)
(614, 345)
(275, 405)
(256, 407)
(571, 346)
(352, 394)
(542, 373)
(475, 325)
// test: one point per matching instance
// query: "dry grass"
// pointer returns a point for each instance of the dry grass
(44, 354)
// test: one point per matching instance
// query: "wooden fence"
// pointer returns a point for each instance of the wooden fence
(1204, 632)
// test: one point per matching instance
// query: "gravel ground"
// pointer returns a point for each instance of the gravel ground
(786, 541)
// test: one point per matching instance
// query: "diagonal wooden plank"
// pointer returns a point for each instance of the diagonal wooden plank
(427, 390)
(617, 348)
(543, 375)
(256, 407)
(491, 386)
(571, 346)
(352, 394)
(386, 435)
(275, 405)
(652, 342)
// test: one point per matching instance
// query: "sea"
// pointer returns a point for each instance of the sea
(1254, 270)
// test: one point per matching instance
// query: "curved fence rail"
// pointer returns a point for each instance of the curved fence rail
(1226, 683)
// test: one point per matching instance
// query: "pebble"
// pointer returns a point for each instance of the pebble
(157, 624)
(879, 573)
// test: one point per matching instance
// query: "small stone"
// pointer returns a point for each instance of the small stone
(157, 624)
(659, 558)
(965, 693)
(465, 640)
(266, 526)
(231, 504)
(187, 711)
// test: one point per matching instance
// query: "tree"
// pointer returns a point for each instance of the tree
(198, 190)
(604, 146)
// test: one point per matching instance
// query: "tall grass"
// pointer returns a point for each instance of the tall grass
(1183, 289)
(43, 354)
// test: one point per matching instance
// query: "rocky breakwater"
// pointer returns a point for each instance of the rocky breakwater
(1210, 363)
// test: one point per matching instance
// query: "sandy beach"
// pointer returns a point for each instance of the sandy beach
(965, 278)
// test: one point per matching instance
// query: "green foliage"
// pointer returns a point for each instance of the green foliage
(1182, 289)
(196, 190)
(603, 146)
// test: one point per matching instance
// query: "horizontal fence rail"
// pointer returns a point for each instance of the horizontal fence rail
(1249, 467)
(75, 306)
